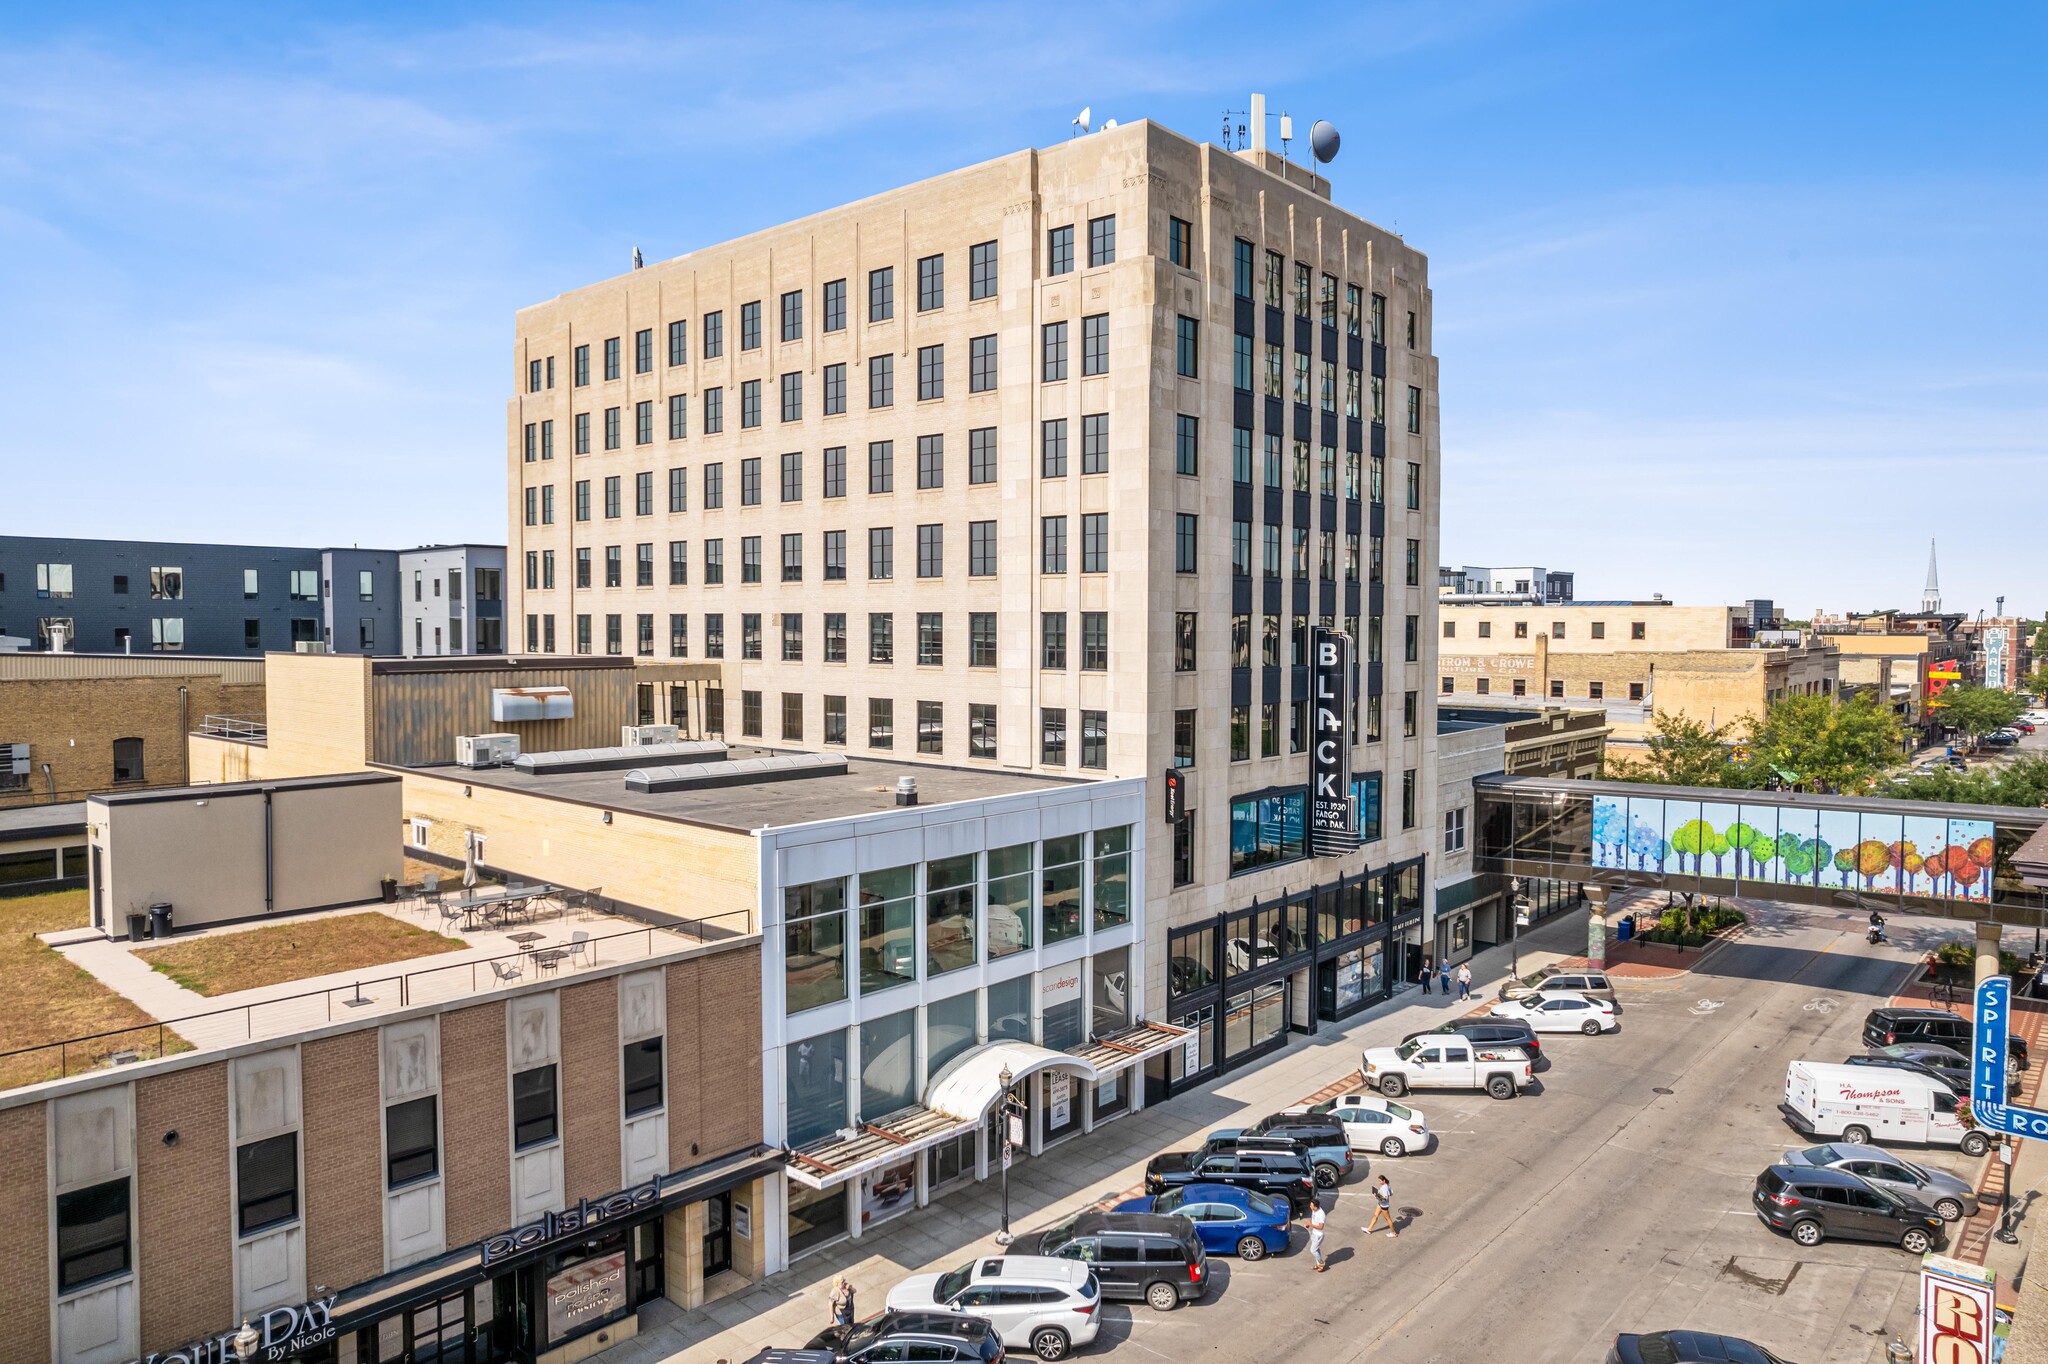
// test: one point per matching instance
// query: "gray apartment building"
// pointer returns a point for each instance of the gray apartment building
(155, 596)
(1051, 463)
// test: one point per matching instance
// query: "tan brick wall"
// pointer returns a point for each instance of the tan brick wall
(184, 1227)
(591, 1103)
(729, 1043)
(71, 724)
(657, 864)
(686, 1069)
(344, 1159)
(321, 705)
(25, 1212)
(475, 1114)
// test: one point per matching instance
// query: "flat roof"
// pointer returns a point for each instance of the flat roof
(24, 822)
(237, 788)
(866, 786)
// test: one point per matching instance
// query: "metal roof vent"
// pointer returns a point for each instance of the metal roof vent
(906, 790)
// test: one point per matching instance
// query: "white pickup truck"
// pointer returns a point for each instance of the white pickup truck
(1447, 1061)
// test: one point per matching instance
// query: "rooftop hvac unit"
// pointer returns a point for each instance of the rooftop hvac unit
(14, 759)
(486, 750)
(639, 736)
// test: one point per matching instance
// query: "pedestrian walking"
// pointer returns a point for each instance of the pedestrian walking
(1383, 1195)
(842, 1301)
(1443, 977)
(1428, 970)
(1318, 1221)
(1464, 981)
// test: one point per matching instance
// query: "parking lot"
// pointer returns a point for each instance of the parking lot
(1614, 1197)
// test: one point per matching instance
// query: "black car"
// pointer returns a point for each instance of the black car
(896, 1335)
(1280, 1173)
(1949, 1080)
(1490, 1032)
(1321, 1139)
(1687, 1347)
(1885, 1027)
(1812, 1204)
(1134, 1254)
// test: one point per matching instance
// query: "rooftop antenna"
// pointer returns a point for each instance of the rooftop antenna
(637, 262)
(1286, 133)
(1081, 120)
(1323, 143)
(1233, 129)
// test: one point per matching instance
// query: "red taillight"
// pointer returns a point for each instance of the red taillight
(1783, 1200)
(1416, 1128)
(1195, 1272)
(1085, 1309)
(1890, 1037)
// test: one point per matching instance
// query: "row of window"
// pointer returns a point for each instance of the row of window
(1597, 629)
(982, 276)
(1519, 686)
(1312, 298)
(1271, 828)
(1091, 651)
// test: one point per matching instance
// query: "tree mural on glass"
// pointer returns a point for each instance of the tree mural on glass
(1906, 857)
(1935, 867)
(1610, 830)
(1717, 847)
(1845, 864)
(1742, 837)
(1692, 839)
(1760, 850)
(1645, 843)
(1873, 859)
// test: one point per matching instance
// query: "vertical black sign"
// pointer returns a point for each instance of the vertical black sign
(1174, 795)
(1332, 824)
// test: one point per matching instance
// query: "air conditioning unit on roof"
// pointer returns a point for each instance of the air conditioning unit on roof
(640, 736)
(486, 750)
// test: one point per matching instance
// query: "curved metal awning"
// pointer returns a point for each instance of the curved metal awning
(972, 1081)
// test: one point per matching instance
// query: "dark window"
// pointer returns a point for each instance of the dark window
(713, 412)
(411, 1142)
(981, 549)
(1053, 351)
(1053, 736)
(882, 466)
(1052, 448)
(1241, 268)
(750, 482)
(793, 397)
(835, 471)
(981, 639)
(1186, 345)
(1095, 738)
(882, 294)
(750, 404)
(881, 380)
(931, 373)
(981, 270)
(678, 342)
(1184, 527)
(835, 390)
(582, 363)
(931, 461)
(1184, 641)
(1094, 641)
(835, 305)
(643, 1076)
(1059, 250)
(1052, 544)
(931, 551)
(1095, 542)
(643, 350)
(931, 638)
(981, 731)
(835, 556)
(981, 364)
(931, 283)
(1187, 443)
(1095, 443)
(793, 478)
(678, 416)
(643, 494)
(931, 727)
(1180, 243)
(981, 455)
(1102, 240)
(750, 326)
(793, 315)
(267, 1182)
(128, 760)
(92, 1234)
(611, 357)
(1095, 344)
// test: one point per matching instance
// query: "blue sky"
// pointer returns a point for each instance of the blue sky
(1732, 300)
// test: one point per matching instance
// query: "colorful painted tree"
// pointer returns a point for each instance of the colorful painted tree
(1845, 864)
(1873, 859)
(1818, 851)
(1717, 846)
(1610, 830)
(1762, 850)
(1692, 839)
(1906, 857)
(1741, 837)
(1965, 872)
(1645, 843)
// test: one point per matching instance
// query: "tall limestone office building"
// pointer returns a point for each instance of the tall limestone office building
(1048, 463)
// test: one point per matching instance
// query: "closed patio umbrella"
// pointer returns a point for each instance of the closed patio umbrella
(468, 858)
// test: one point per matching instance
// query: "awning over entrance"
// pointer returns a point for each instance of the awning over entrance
(888, 1139)
(970, 1083)
(1131, 1046)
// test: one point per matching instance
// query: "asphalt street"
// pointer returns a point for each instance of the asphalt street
(1615, 1199)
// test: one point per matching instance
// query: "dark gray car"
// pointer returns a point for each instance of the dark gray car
(1952, 1198)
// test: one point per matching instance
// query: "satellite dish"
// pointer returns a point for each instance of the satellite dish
(1107, 124)
(1323, 141)
(1081, 119)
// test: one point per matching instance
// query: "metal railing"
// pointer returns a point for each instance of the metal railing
(316, 1008)
(234, 727)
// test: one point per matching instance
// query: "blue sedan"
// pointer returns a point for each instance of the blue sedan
(1227, 1219)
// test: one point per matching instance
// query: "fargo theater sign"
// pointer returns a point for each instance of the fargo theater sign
(1332, 824)
(281, 1333)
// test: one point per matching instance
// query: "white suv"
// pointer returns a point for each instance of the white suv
(1047, 1304)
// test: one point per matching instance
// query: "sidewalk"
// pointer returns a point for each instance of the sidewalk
(789, 1308)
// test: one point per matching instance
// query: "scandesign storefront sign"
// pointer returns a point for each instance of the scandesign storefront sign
(282, 1333)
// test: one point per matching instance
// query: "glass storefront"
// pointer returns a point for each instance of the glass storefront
(1254, 1019)
(1111, 1007)
(815, 1068)
(1062, 1096)
(816, 1216)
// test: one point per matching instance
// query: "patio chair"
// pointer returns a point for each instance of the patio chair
(506, 971)
(579, 946)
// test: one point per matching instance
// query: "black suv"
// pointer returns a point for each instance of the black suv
(912, 1335)
(1134, 1254)
(1282, 1173)
(1814, 1204)
(1490, 1032)
(1884, 1027)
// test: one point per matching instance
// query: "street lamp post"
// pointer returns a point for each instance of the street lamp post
(1005, 1079)
(245, 1342)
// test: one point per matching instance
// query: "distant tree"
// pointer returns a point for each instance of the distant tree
(2037, 680)
(2022, 781)
(1834, 745)
(1976, 711)
(1679, 752)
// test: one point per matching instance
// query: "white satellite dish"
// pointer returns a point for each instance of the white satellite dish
(1107, 124)
(1081, 119)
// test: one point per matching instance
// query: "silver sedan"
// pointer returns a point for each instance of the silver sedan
(1951, 1198)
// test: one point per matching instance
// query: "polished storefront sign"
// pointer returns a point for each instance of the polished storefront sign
(572, 1220)
(1332, 825)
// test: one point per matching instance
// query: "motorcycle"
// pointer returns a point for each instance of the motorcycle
(1875, 934)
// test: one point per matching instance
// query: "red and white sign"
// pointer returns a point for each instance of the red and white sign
(1955, 1319)
(1059, 985)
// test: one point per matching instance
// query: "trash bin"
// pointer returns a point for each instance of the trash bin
(159, 921)
(1625, 929)
(138, 926)
(389, 885)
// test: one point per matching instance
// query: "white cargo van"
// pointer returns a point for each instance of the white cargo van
(1863, 1104)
